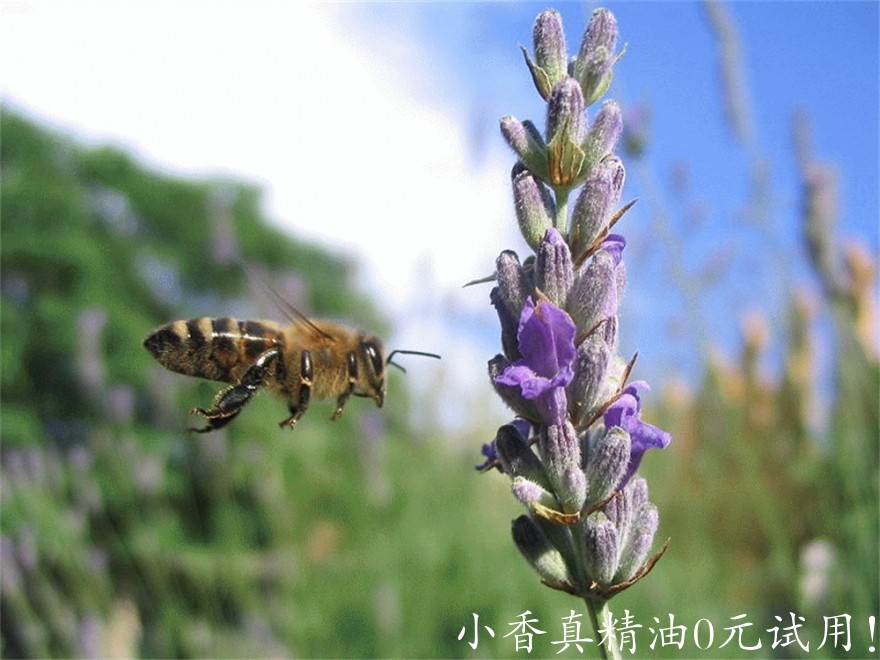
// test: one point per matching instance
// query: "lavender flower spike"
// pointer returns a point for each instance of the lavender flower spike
(572, 454)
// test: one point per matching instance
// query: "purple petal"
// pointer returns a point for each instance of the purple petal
(536, 342)
(490, 451)
(553, 237)
(546, 343)
(563, 331)
(613, 245)
(625, 413)
(646, 437)
(534, 387)
(523, 426)
(519, 373)
(622, 411)
(546, 338)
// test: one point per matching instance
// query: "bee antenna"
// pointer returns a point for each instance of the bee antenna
(403, 352)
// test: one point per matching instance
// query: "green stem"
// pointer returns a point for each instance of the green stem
(560, 222)
(598, 609)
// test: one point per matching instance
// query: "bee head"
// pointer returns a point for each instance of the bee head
(372, 356)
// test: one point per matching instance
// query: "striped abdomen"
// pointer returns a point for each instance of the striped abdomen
(216, 349)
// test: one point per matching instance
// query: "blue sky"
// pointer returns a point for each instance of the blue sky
(373, 129)
(817, 57)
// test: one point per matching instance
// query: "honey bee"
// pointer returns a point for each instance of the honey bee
(298, 362)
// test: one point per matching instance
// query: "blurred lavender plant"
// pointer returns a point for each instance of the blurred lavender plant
(590, 527)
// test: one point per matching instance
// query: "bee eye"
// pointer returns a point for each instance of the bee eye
(375, 357)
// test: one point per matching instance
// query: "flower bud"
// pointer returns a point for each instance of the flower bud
(539, 552)
(637, 493)
(572, 490)
(609, 333)
(553, 268)
(565, 111)
(595, 203)
(604, 132)
(565, 134)
(534, 206)
(518, 138)
(528, 144)
(593, 295)
(552, 403)
(514, 285)
(531, 494)
(560, 450)
(585, 392)
(508, 323)
(607, 464)
(551, 52)
(601, 547)
(625, 510)
(595, 59)
(639, 544)
(620, 280)
(551, 55)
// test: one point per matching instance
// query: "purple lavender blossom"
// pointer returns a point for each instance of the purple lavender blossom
(490, 451)
(546, 343)
(624, 413)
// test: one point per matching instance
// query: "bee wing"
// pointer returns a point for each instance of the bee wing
(292, 313)
(295, 315)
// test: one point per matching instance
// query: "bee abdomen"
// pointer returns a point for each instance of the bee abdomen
(216, 349)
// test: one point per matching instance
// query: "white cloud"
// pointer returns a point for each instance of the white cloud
(299, 99)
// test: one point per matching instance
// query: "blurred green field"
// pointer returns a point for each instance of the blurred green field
(124, 536)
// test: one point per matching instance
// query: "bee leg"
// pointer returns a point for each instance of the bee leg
(306, 373)
(229, 402)
(352, 381)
